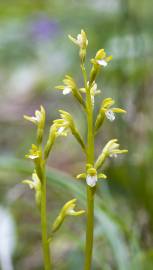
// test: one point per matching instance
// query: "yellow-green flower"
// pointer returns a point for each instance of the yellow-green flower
(91, 176)
(69, 85)
(67, 124)
(101, 58)
(107, 111)
(67, 210)
(111, 149)
(93, 91)
(39, 121)
(39, 117)
(35, 184)
(63, 125)
(110, 112)
(34, 152)
(81, 40)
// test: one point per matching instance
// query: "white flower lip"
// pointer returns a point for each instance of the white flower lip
(110, 115)
(91, 180)
(102, 62)
(113, 155)
(38, 116)
(66, 90)
(33, 156)
(60, 130)
(79, 40)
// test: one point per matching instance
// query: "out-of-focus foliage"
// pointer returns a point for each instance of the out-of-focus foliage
(35, 54)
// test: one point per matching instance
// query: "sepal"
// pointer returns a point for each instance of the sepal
(81, 176)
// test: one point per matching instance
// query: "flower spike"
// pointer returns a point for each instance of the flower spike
(64, 125)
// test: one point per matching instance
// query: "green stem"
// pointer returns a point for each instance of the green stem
(45, 242)
(90, 190)
(84, 75)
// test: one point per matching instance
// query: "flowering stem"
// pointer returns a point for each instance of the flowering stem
(90, 190)
(45, 242)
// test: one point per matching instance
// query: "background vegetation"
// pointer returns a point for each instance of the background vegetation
(35, 54)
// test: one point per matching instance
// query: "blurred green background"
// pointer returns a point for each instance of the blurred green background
(35, 54)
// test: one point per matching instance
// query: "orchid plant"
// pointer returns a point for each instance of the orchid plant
(85, 96)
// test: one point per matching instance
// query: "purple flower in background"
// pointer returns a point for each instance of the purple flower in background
(43, 28)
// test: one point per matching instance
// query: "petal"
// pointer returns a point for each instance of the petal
(81, 176)
(108, 102)
(114, 155)
(102, 176)
(73, 39)
(102, 62)
(110, 115)
(66, 90)
(91, 180)
(60, 130)
(28, 182)
(79, 40)
(32, 119)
